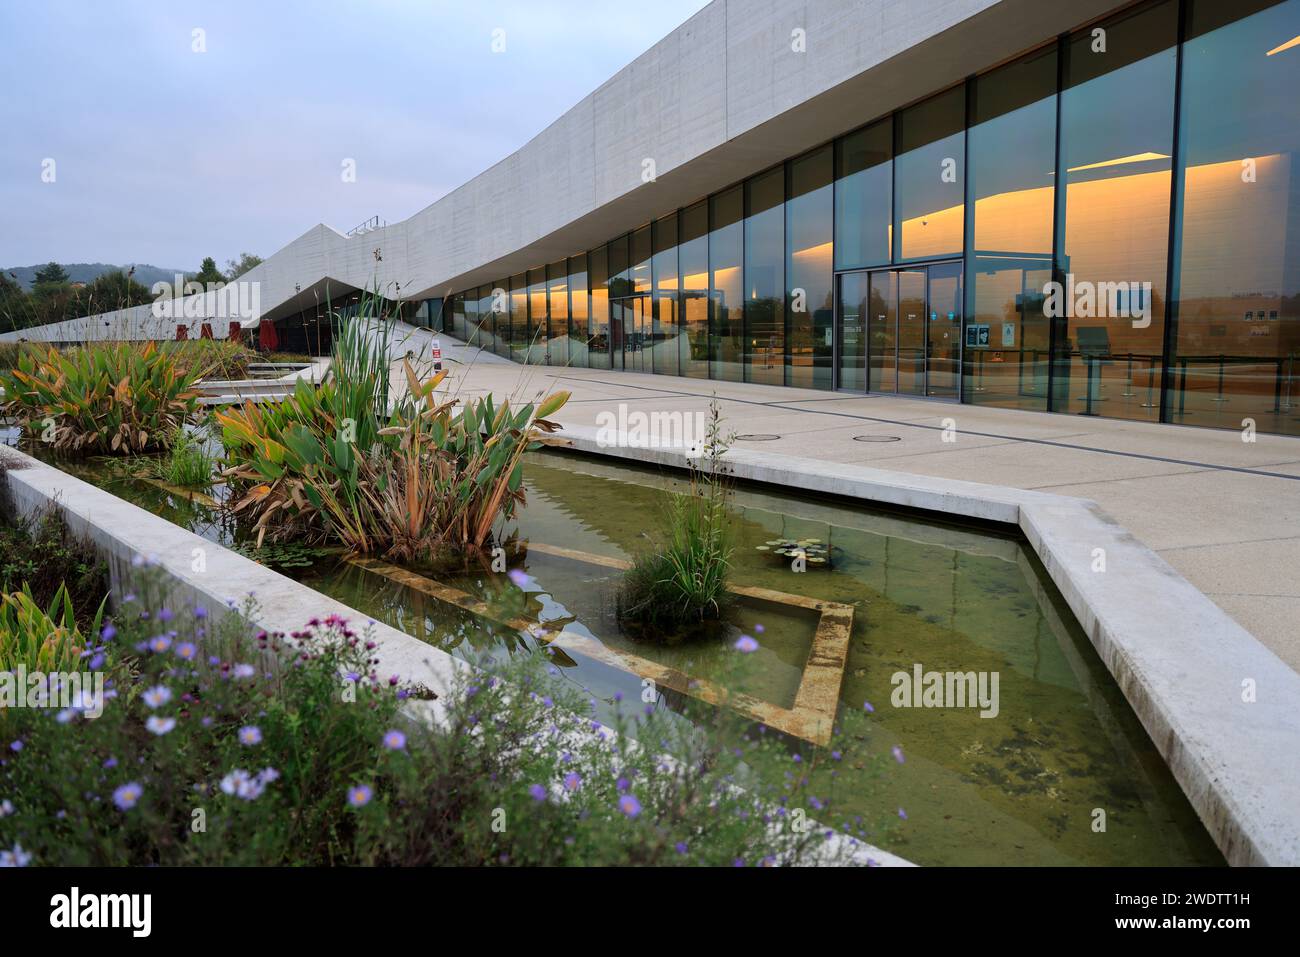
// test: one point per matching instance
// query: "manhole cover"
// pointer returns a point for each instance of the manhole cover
(877, 438)
(757, 437)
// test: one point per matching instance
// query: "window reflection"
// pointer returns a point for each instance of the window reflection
(694, 265)
(928, 178)
(1012, 150)
(1238, 260)
(764, 278)
(810, 271)
(726, 245)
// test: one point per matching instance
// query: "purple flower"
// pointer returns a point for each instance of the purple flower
(682, 848)
(629, 805)
(160, 725)
(745, 644)
(897, 752)
(394, 740)
(108, 632)
(244, 671)
(16, 746)
(519, 577)
(200, 611)
(187, 651)
(538, 792)
(250, 734)
(127, 796)
(359, 795)
(572, 781)
(159, 643)
(164, 614)
(866, 706)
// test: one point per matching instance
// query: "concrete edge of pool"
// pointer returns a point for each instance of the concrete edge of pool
(123, 533)
(1183, 664)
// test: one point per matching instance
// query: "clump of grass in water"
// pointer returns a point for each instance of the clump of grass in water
(188, 464)
(675, 591)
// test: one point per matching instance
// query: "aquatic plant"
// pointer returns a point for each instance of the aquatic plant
(187, 464)
(682, 581)
(41, 639)
(41, 555)
(230, 746)
(110, 398)
(409, 480)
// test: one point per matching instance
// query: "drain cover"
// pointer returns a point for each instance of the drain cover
(757, 437)
(877, 438)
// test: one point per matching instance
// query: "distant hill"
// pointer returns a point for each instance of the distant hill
(145, 274)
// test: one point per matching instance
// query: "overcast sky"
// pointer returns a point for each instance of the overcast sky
(163, 155)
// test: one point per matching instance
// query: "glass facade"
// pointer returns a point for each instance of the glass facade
(1108, 225)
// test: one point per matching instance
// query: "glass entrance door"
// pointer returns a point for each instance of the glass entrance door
(899, 331)
(631, 325)
(911, 331)
(943, 332)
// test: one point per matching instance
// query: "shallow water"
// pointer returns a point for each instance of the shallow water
(1024, 787)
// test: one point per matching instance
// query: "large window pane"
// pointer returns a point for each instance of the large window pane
(484, 332)
(598, 343)
(726, 296)
(459, 325)
(810, 271)
(764, 278)
(519, 339)
(620, 287)
(1238, 262)
(863, 197)
(578, 312)
(501, 318)
(1117, 117)
(557, 312)
(1011, 156)
(928, 177)
(537, 316)
(694, 259)
(664, 345)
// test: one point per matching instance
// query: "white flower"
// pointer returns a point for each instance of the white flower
(6, 808)
(157, 696)
(159, 725)
(15, 858)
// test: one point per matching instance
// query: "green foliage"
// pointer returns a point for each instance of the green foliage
(41, 639)
(286, 555)
(236, 268)
(683, 580)
(40, 555)
(187, 463)
(113, 398)
(290, 763)
(209, 273)
(51, 274)
(332, 464)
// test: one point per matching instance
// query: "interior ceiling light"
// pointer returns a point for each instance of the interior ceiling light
(1135, 158)
(1293, 42)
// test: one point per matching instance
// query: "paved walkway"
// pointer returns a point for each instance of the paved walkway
(1223, 512)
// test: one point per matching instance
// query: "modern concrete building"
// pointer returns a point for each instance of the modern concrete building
(1055, 205)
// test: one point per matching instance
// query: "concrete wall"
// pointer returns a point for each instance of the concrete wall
(721, 97)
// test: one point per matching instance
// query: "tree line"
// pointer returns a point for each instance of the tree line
(53, 297)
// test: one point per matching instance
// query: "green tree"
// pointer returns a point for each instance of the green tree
(236, 268)
(51, 274)
(109, 291)
(208, 272)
